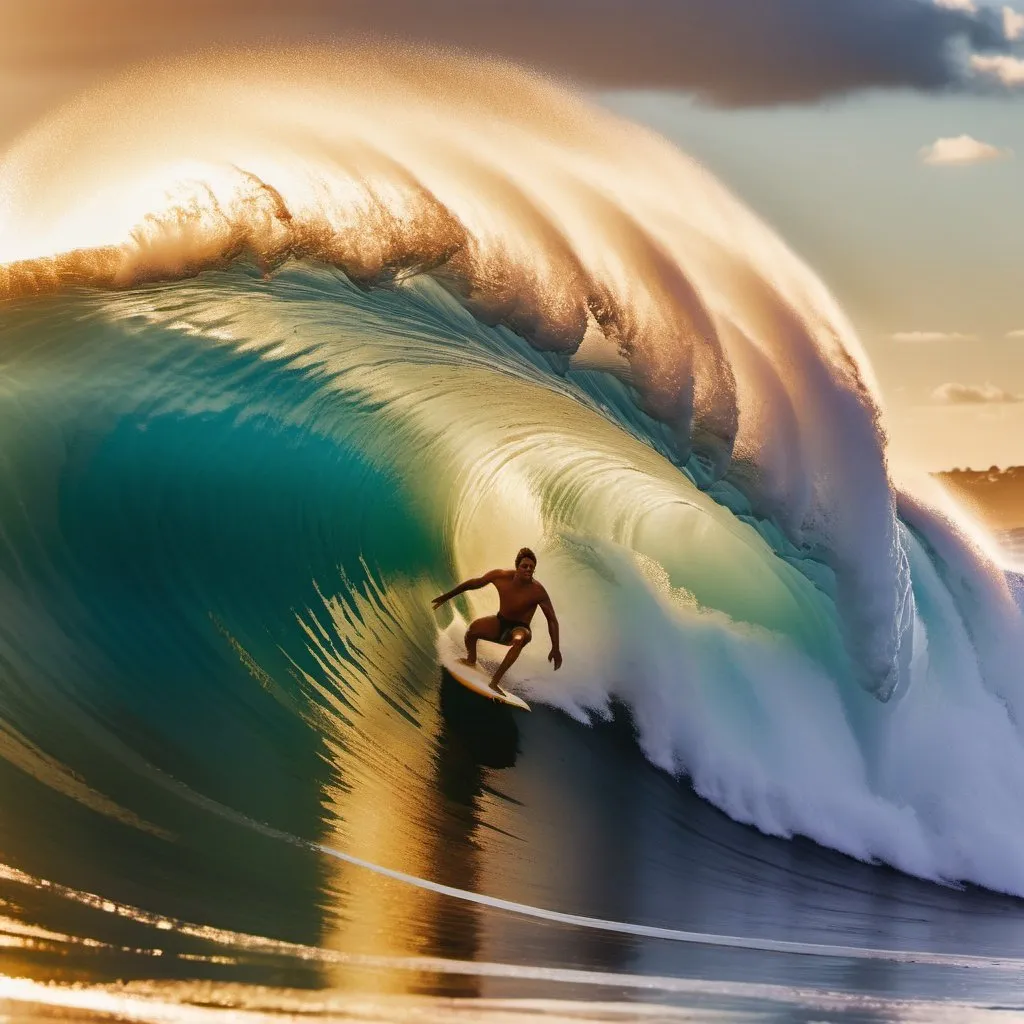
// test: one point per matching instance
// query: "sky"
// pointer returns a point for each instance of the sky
(926, 259)
(883, 139)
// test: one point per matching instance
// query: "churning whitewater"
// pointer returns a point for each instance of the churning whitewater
(278, 370)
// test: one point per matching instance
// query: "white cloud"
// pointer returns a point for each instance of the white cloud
(1015, 334)
(958, 5)
(971, 394)
(1008, 70)
(962, 149)
(1013, 24)
(917, 337)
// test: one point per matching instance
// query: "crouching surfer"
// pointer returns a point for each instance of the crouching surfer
(519, 596)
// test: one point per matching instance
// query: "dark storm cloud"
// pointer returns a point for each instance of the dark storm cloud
(730, 52)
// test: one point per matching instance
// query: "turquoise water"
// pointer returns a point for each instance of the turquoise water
(228, 501)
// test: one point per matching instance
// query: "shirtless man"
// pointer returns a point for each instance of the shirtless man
(519, 596)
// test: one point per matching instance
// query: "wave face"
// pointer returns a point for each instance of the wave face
(292, 344)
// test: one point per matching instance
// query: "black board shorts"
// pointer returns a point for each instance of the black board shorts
(506, 627)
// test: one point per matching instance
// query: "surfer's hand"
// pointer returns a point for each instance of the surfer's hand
(556, 657)
(438, 601)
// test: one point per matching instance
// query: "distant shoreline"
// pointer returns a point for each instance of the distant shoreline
(996, 494)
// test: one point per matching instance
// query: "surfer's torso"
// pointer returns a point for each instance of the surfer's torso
(518, 599)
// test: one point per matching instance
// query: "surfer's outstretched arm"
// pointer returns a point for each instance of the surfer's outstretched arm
(555, 654)
(474, 584)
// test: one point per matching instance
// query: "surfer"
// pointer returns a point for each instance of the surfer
(519, 596)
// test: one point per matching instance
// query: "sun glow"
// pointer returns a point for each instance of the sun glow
(114, 214)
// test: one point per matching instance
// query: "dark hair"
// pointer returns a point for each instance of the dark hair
(525, 553)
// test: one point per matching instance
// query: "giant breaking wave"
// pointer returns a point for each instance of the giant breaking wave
(298, 338)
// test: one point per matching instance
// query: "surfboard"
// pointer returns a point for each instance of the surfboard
(475, 679)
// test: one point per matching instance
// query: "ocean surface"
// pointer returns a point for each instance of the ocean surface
(290, 345)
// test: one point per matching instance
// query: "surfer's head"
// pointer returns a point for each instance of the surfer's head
(526, 562)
